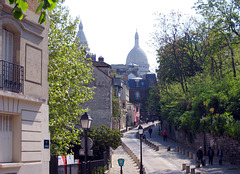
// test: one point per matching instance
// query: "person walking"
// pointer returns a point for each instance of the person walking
(150, 132)
(200, 155)
(210, 155)
(164, 135)
(220, 155)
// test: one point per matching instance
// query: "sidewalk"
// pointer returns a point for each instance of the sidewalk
(129, 166)
(226, 168)
(162, 161)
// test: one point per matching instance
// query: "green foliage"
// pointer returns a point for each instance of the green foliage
(116, 107)
(199, 69)
(22, 6)
(104, 138)
(99, 170)
(69, 74)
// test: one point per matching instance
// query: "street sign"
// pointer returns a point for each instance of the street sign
(89, 143)
(82, 152)
(120, 162)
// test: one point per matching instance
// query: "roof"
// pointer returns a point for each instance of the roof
(100, 64)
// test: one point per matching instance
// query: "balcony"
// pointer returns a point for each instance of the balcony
(11, 77)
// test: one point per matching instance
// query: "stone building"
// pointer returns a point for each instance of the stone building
(101, 104)
(121, 91)
(24, 126)
(139, 79)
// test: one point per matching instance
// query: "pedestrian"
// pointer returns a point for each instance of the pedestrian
(164, 135)
(220, 155)
(150, 132)
(210, 155)
(200, 155)
(144, 137)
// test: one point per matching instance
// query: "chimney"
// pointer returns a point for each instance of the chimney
(93, 57)
(101, 59)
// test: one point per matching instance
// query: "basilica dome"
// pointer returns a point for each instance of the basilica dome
(137, 55)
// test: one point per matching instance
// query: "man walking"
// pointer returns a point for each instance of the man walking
(210, 155)
(150, 132)
(200, 155)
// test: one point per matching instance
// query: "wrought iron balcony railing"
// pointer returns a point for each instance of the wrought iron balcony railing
(11, 77)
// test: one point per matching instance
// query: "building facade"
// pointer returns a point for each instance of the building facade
(100, 106)
(24, 126)
(139, 79)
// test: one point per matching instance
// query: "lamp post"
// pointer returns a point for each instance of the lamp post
(204, 135)
(140, 132)
(86, 123)
(126, 121)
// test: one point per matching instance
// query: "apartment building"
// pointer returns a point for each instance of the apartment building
(24, 127)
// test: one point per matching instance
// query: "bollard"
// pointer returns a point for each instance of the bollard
(183, 166)
(190, 155)
(194, 157)
(197, 164)
(187, 169)
(204, 161)
(192, 170)
(168, 148)
(183, 151)
(177, 148)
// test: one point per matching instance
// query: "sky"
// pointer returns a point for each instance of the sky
(110, 25)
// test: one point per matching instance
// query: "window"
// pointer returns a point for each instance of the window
(6, 137)
(7, 46)
(137, 95)
(11, 73)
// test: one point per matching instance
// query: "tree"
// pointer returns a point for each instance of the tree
(224, 16)
(104, 138)
(177, 54)
(116, 110)
(44, 6)
(69, 74)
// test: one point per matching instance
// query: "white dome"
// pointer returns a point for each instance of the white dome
(137, 55)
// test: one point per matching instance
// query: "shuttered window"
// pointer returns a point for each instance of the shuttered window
(7, 44)
(6, 137)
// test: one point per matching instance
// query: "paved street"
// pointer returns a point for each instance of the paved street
(162, 161)
(129, 165)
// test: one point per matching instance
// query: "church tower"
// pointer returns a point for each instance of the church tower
(82, 37)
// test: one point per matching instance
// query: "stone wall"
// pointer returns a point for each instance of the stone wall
(230, 147)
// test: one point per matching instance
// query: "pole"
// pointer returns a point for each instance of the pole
(141, 166)
(121, 170)
(204, 139)
(85, 137)
(126, 122)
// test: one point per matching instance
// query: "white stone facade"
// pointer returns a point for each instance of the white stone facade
(24, 121)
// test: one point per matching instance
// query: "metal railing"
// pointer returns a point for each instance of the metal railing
(93, 167)
(11, 77)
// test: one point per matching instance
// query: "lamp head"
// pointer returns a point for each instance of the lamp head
(140, 129)
(86, 121)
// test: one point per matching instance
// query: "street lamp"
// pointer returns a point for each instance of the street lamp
(204, 134)
(126, 121)
(86, 121)
(140, 132)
